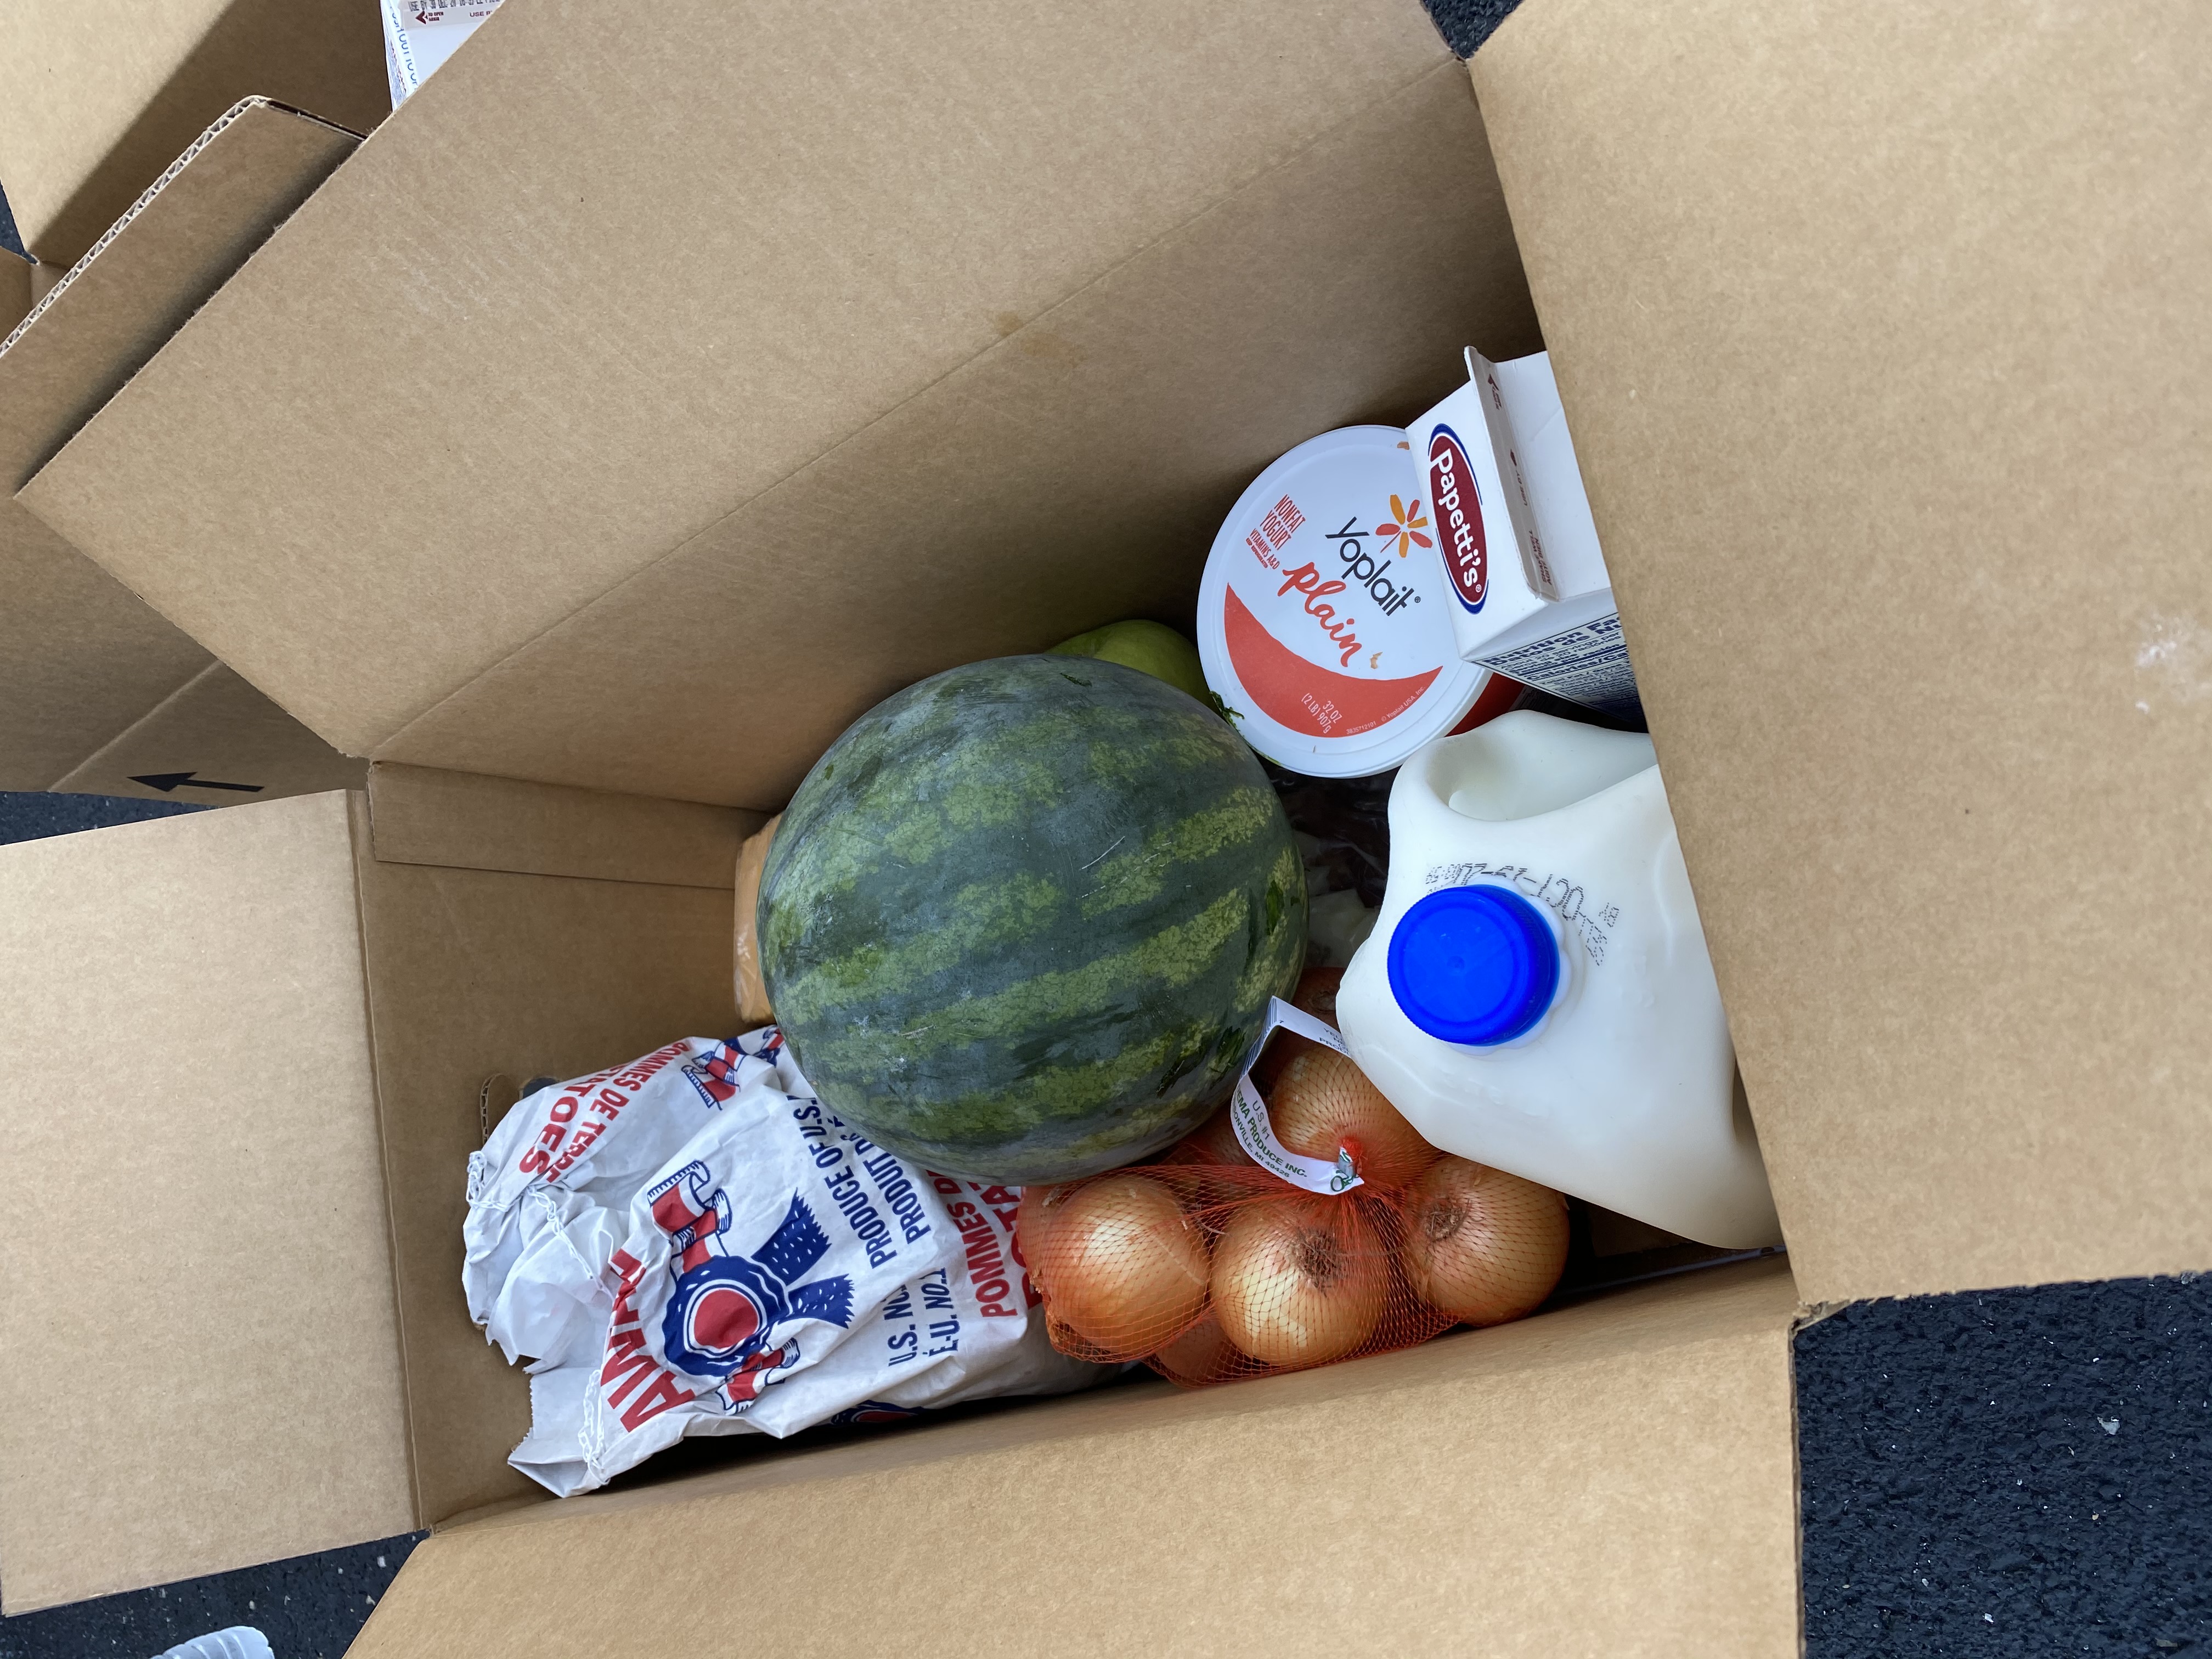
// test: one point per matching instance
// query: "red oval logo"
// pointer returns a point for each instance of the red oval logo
(1457, 504)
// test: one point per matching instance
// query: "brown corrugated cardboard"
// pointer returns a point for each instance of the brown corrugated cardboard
(97, 689)
(474, 974)
(1064, 289)
(43, 278)
(157, 265)
(258, 1051)
(16, 281)
(1617, 1477)
(184, 1180)
(213, 741)
(1882, 339)
(82, 658)
(469, 822)
(96, 96)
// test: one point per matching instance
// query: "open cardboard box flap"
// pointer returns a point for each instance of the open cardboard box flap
(1882, 341)
(97, 95)
(953, 338)
(99, 688)
(1623, 1470)
(246, 1193)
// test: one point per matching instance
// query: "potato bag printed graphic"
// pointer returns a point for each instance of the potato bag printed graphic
(694, 1244)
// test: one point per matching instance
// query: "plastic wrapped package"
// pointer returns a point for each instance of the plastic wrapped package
(694, 1244)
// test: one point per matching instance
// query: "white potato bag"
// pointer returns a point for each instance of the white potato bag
(694, 1244)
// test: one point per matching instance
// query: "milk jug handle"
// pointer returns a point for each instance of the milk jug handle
(1256, 1132)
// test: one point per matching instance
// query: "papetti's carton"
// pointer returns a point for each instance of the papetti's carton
(1900, 282)
(1530, 596)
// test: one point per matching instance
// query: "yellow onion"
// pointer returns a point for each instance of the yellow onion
(1033, 1220)
(1322, 1102)
(1118, 1262)
(1482, 1245)
(1064, 1337)
(1201, 1354)
(1213, 1144)
(1299, 1280)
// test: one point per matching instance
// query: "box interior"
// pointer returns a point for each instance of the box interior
(100, 687)
(478, 971)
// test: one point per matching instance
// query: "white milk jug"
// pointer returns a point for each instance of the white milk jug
(1536, 993)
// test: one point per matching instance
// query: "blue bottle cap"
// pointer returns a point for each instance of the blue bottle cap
(1477, 965)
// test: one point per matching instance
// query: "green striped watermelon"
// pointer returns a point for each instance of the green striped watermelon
(1022, 921)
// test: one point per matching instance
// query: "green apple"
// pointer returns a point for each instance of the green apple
(1150, 648)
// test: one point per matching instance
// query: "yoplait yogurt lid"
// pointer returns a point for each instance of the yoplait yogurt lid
(1324, 621)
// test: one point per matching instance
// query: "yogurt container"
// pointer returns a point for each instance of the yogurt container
(1325, 617)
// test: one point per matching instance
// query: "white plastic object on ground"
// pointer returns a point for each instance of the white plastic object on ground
(693, 1244)
(239, 1642)
(1536, 994)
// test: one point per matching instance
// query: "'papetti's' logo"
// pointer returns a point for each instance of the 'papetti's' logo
(726, 1308)
(1458, 506)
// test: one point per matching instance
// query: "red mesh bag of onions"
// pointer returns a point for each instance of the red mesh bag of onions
(1307, 1223)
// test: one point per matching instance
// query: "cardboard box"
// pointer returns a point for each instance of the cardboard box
(102, 694)
(329, 999)
(43, 278)
(1879, 337)
(1083, 277)
(96, 96)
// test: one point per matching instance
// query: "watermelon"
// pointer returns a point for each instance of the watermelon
(1022, 921)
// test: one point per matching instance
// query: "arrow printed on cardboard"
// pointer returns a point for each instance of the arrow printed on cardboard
(169, 782)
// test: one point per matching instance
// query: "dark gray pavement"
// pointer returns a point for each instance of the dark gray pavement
(309, 1608)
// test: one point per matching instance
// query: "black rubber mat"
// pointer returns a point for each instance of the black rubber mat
(309, 1608)
(34, 816)
(2009, 1472)
(1466, 24)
